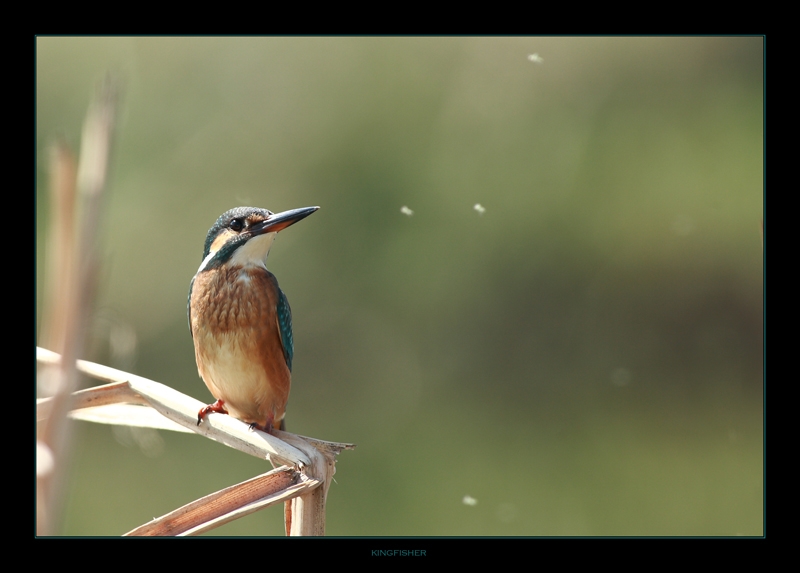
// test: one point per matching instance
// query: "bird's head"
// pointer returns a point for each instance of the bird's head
(243, 235)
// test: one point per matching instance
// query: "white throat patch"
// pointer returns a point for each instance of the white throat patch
(253, 253)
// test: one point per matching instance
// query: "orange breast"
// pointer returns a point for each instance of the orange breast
(237, 342)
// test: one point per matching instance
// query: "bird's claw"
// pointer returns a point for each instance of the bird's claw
(218, 407)
(267, 428)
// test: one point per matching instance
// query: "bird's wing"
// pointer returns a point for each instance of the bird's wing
(285, 327)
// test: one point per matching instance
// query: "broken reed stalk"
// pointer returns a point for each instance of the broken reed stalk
(303, 480)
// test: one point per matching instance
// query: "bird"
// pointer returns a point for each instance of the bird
(240, 319)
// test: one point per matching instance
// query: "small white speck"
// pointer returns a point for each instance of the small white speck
(469, 500)
(535, 58)
(479, 208)
(406, 211)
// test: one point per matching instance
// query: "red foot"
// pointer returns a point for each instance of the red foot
(218, 407)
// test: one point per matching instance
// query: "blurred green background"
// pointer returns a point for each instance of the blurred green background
(583, 358)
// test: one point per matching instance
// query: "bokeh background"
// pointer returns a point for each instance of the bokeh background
(581, 356)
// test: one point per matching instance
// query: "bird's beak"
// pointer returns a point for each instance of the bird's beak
(279, 221)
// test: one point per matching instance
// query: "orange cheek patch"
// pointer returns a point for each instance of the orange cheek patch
(221, 239)
(254, 219)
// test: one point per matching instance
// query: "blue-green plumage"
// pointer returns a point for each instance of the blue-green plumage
(285, 325)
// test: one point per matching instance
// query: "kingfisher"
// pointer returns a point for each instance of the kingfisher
(240, 319)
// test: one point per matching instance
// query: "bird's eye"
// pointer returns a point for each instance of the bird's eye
(237, 225)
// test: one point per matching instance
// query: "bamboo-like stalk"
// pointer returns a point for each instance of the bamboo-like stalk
(305, 515)
(302, 484)
(71, 289)
(229, 504)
